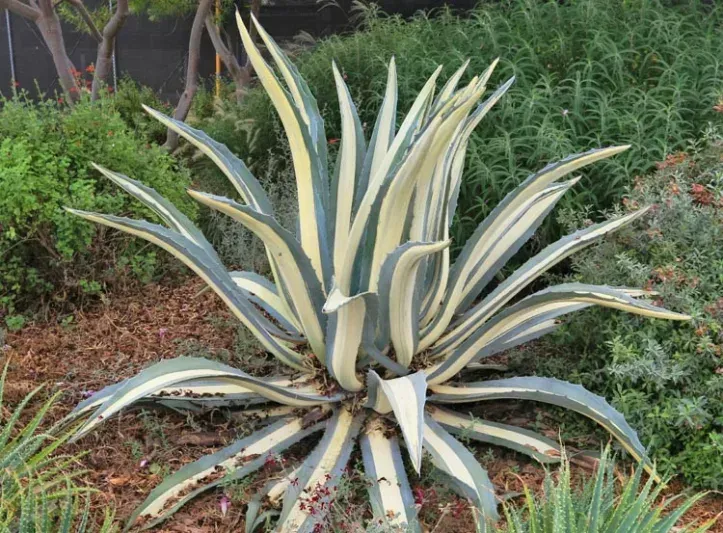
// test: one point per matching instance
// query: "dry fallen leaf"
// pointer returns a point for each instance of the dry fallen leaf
(119, 481)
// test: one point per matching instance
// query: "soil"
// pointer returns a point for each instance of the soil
(130, 454)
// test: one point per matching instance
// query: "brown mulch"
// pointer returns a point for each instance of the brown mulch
(130, 454)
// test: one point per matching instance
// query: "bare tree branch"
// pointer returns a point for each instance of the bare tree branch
(43, 13)
(194, 55)
(20, 8)
(83, 12)
(253, 32)
(228, 58)
(104, 58)
(241, 74)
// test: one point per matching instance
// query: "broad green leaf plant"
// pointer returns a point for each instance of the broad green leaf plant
(375, 322)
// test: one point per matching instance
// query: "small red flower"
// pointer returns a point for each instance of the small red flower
(333, 141)
(90, 68)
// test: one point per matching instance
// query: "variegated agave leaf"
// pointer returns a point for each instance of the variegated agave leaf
(367, 287)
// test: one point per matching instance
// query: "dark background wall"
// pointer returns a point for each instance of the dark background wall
(154, 53)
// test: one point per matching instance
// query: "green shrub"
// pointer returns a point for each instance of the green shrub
(45, 155)
(589, 73)
(596, 508)
(666, 378)
(128, 101)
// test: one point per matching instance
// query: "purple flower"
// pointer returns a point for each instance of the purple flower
(143, 463)
(87, 393)
(162, 333)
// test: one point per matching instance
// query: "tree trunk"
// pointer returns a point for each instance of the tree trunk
(42, 13)
(104, 59)
(194, 54)
(248, 69)
(241, 75)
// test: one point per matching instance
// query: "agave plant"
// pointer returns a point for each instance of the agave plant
(367, 310)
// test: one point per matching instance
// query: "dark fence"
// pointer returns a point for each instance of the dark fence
(154, 53)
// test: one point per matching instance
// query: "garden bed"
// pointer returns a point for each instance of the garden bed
(130, 454)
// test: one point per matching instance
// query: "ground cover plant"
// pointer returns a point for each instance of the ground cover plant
(46, 149)
(366, 310)
(589, 73)
(668, 381)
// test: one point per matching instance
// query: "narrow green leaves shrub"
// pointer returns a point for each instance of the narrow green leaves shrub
(38, 489)
(601, 506)
(45, 155)
(589, 73)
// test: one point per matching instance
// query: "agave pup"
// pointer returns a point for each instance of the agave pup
(366, 309)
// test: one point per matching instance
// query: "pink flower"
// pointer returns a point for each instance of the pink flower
(224, 504)
(143, 463)
(162, 333)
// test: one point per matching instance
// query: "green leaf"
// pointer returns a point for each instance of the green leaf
(520, 440)
(229, 464)
(405, 396)
(467, 475)
(552, 391)
(321, 470)
(294, 266)
(183, 369)
(212, 272)
(390, 495)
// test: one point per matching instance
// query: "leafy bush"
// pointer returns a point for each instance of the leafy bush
(589, 73)
(666, 378)
(37, 489)
(45, 155)
(597, 508)
(366, 312)
(129, 100)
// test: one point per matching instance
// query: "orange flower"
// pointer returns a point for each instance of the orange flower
(90, 68)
